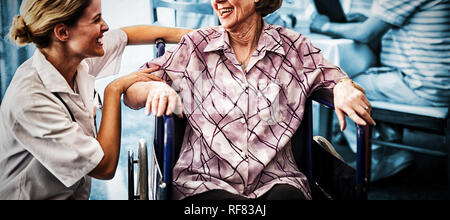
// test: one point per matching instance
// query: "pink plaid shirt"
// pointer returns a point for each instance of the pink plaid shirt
(240, 121)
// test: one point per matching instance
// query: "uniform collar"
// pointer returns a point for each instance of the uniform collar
(52, 78)
(55, 82)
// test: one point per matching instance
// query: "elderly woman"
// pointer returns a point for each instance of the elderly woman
(244, 85)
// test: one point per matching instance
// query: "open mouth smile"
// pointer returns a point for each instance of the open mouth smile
(225, 11)
(100, 41)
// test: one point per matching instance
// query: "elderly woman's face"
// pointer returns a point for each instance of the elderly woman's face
(233, 12)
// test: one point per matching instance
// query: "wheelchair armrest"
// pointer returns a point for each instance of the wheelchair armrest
(324, 97)
(363, 161)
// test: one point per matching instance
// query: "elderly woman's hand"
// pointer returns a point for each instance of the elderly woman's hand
(350, 99)
(162, 99)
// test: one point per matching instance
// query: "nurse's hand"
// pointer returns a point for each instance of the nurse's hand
(109, 134)
(143, 75)
(350, 99)
(162, 99)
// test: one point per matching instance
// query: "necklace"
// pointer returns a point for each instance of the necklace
(247, 58)
(243, 65)
(253, 45)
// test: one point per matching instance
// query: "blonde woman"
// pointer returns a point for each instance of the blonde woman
(49, 147)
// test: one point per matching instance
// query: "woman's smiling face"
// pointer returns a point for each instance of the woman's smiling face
(233, 13)
(86, 35)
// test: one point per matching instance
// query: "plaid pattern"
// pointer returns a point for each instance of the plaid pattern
(241, 121)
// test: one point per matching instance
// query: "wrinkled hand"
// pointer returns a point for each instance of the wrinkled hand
(162, 98)
(143, 75)
(318, 22)
(352, 101)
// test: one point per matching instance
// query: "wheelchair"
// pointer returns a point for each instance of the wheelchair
(329, 177)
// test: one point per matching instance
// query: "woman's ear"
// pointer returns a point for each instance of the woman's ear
(61, 32)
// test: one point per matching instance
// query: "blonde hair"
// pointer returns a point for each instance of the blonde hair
(266, 7)
(38, 18)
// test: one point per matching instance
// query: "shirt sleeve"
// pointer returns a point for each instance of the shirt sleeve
(319, 72)
(60, 145)
(174, 63)
(396, 12)
(114, 43)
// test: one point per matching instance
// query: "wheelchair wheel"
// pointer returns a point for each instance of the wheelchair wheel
(143, 170)
(142, 179)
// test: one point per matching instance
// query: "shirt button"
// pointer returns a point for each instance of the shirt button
(243, 154)
(242, 120)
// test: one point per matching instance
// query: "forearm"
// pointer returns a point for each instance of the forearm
(136, 95)
(148, 34)
(364, 32)
(346, 30)
(109, 135)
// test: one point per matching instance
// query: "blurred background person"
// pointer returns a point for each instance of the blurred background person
(414, 64)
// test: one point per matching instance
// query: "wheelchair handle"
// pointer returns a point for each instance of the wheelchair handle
(160, 46)
(164, 146)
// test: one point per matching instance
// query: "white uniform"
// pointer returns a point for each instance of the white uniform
(44, 154)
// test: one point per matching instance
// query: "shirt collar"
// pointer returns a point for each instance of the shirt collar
(270, 40)
(218, 40)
